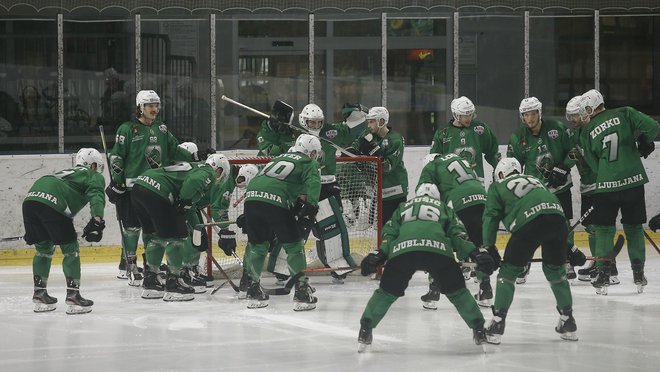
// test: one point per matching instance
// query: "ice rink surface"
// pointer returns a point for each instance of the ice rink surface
(617, 332)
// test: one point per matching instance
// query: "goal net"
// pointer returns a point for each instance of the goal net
(360, 182)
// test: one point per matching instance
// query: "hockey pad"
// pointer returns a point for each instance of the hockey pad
(333, 247)
(277, 259)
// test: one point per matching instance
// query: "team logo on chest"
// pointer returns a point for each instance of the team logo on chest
(163, 128)
(554, 133)
(479, 129)
(331, 133)
(386, 142)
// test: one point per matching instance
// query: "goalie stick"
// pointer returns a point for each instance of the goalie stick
(648, 237)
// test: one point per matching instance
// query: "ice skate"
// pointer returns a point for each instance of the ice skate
(193, 280)
(566, 326)
(337, 279)
(584, 274)
(365, 337)
(570, 272)
(467, 271)
(42, 301)
(638, 276)
(256, 296)
(135, 276)
(177, 290)
(430, 299)
(303, 299)
(614, 274)
(152, 288)
(495, 329)
(122, 269)
(243, 286)
(522, 278)
(479, 334)
(485, 293)
(601, 281)
(203, 276)
(77, 303)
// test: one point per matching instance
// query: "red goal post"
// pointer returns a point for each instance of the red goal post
(360, 180)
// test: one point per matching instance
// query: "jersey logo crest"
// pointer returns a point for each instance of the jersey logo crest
(479, 129)
(554, 133)
(386, 142)
(163, 128)
(331, 133)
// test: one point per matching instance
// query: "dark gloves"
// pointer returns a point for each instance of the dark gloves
(93, 231)
(485, 262)
(202, 243)
(203, 154)
(240, 222)
(371, 261)
(654, 223)
(227, 241)
(114, 191)
(330, 189)
(183, 206)
(495, 255)
(575, 257)
(303, 209)
(644, 148)
(368, 146)
(558, 176)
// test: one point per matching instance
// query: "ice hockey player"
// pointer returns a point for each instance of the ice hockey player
(48, 211)
(162, 198)
(422, 234)
(283, 200)
(534, 217)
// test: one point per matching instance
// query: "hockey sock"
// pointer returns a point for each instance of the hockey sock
(591, 235)
(255, 255)
(635, 241)
(481, 276)
(43, 258)
(174, 251)
(275, 248)
(556, 276)
(604, 242)
(146, 239)
(131, 237)
(467, 307)
(506, 285)
(154, 251)
(378, 305)
(71, 261)
(295, 257)
(190, 254)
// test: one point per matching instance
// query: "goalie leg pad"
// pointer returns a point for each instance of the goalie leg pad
(333, 247)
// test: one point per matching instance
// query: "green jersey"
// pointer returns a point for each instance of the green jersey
(471, 143)
(424, 224)
(539, 154)
(220, 196)
(285, 178)
(610, 146)
(68, 191)
(395, 176)
(456, 180)
(187, 181)
(515, 201)
(341, 135)
(274, 142)
(139, 147)
(587, 175)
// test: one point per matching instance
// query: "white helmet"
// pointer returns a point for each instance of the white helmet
(314, 113)
(577, 106)
(219, 161)
(145, 97)
(593, 100)
(189, 146)
(428, 189)
(429, 158)
(307, 144)
(461, 106)
(378, 113)
(506, 167)
(247, 172)
(530, 104)
(85, 157)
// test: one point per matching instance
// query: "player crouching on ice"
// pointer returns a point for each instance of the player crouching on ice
(412, 241)
(48, 212)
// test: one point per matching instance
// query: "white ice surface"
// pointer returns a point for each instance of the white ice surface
(618, 332)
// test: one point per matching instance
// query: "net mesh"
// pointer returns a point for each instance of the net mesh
(359, 180)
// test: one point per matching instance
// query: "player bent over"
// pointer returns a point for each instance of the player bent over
(290, 180)
(422, 234)
(534, 217)
(48, 212)
(162, 198)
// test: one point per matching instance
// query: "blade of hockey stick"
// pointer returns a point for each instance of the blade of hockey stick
(218, 287)
(648, 237)
(11, 239)
(201, 226)
(217, 265)
(327, 269)
(287, 287)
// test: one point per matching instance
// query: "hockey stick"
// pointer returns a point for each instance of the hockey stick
(648, 237)
(341, 149)
(618, 246)
(231, 283)
(287, 287)
(121, 227)
(11, 239)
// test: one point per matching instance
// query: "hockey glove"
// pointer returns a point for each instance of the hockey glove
(495, 255)
(115, 191)
(240, 222)
(183, 206)
(227, 241)
(371, 261)
(204, 154)
(93, 231)
(644, 148)
(330, 189)
(558, 176)
(367, 146)
(484, 261)
(575, 257)
(303, 209)
(654, 223)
